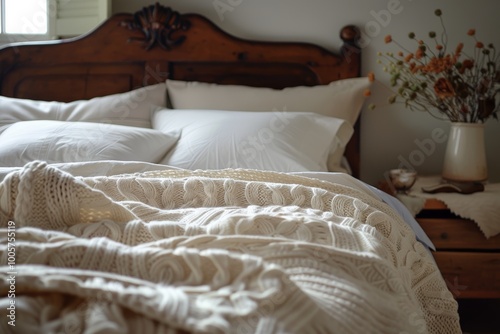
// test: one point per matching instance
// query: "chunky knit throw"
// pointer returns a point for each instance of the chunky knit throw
(232, 251)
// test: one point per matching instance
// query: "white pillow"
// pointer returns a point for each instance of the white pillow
(56, 141)
(131, 108)
(341, 99)
(277, 141)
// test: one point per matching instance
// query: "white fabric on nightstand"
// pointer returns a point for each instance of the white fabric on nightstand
(481, 207)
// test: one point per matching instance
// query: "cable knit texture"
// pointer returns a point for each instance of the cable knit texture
(232, 251)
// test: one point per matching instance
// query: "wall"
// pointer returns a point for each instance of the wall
(390, 134)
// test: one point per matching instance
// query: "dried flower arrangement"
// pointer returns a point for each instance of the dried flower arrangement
(447, 84)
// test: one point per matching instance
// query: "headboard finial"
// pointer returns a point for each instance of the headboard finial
(351, 51)
(350, 34)
(158, 23)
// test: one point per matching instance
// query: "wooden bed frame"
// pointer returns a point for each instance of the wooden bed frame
(133, 50)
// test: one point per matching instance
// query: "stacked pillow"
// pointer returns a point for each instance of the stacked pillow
(292, 129)
(131, 108)
(58, 141)
(113, 127)
(286, 142)
(342, 98)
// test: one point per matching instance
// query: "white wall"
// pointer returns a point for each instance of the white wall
(389, 133)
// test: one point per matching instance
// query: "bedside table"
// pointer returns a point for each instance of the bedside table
(469, 263)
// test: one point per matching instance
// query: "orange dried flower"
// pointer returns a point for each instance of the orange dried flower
(367, 92)
(479, 45)
(409, 57)
(419, 54)
(388, 39)
(401, 54)
(459, 48)
(439, 47)
(471, 32)
(468, 64)
(438, 64)
(443, 88)
(371, 76)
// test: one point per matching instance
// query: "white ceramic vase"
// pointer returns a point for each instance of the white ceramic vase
(465, 156)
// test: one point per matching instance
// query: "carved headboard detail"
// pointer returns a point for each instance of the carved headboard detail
(158, 23)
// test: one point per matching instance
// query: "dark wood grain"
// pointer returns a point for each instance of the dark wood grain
(459, 234)
(470, 274)
(467, 260)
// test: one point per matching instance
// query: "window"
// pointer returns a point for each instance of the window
(24, 20)
(76, 17)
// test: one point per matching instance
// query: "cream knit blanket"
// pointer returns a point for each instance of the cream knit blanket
(230, 251)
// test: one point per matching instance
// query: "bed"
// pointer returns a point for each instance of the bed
(160, 175)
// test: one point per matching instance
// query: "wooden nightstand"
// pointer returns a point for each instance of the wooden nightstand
(469, 263)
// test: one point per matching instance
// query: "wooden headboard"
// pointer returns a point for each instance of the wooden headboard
(133, 50)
